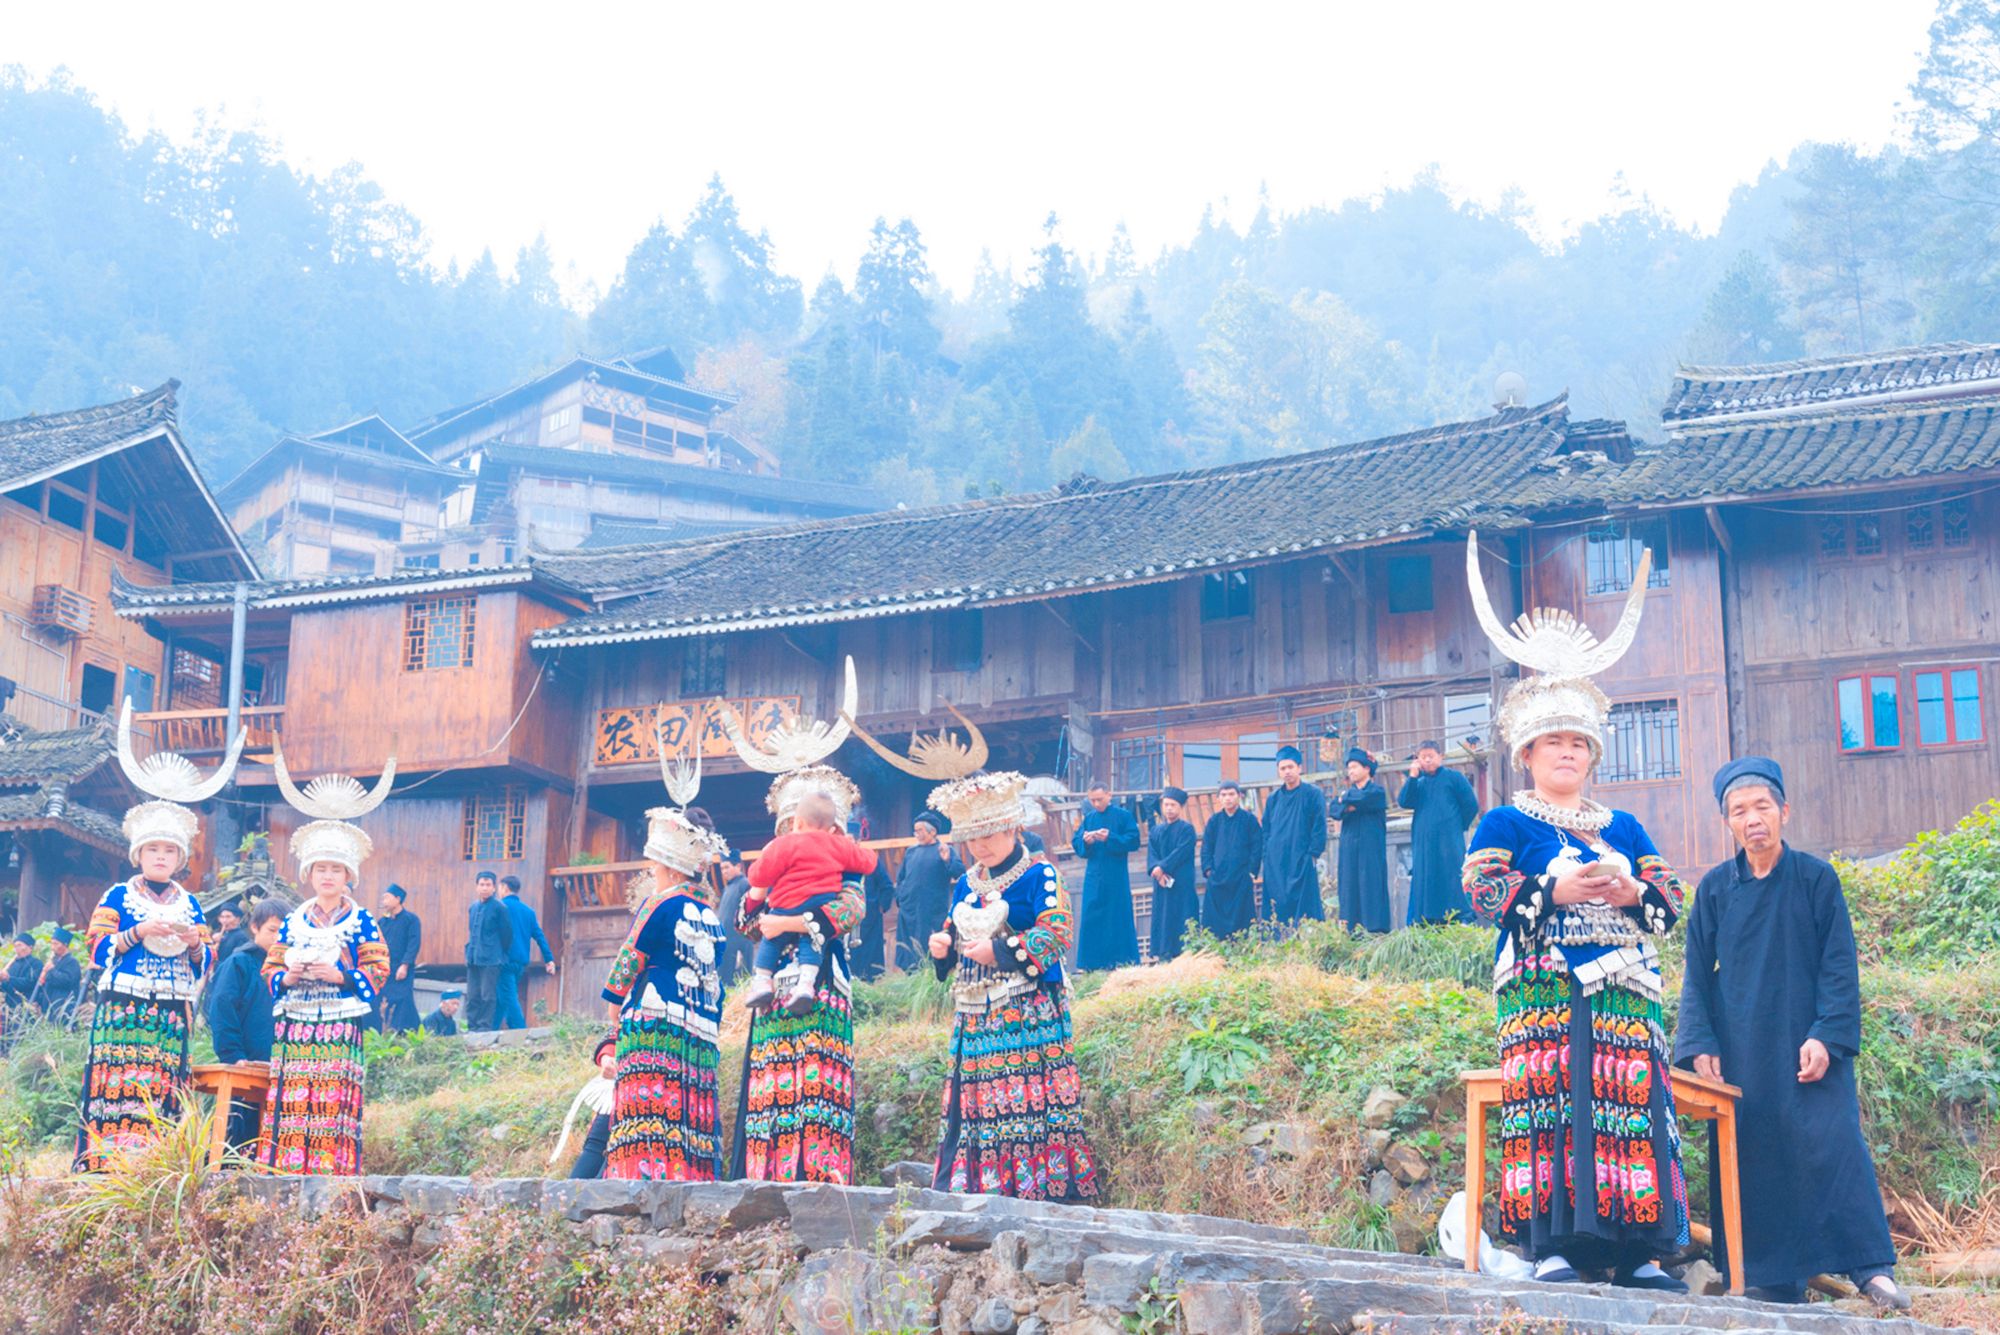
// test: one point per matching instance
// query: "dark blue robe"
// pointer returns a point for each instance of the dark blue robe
(1170, 847)
(923, 898)
(1294, 838)
(404, 936)
(1363, 814)
(1445, 808)
(1106, 934)
(1232, 853)
(1770, 964)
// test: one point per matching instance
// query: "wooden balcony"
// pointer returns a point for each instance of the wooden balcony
(197, 732)
(62, 610)
(601, 886)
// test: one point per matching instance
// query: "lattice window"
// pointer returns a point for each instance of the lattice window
(1611, 556)
(1138, 764)
(496, 825)
(1833, 536)
(1957, 521)
(1868, 535)
(1920, 525)
(704, 667)
(438, 633)
(1642, 741)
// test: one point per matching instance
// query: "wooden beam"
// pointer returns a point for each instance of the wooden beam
(1050, 608)
(1341, 565)
(1720, 529)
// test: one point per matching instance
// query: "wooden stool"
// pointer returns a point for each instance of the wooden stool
(1695, 1096)
(228, 1082)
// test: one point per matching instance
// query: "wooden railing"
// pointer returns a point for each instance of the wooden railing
(596, 886)
(194, 732)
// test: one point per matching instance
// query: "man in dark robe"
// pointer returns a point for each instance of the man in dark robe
(1363, 813)
(737, 949)
(1771, 1003)
(1294, 840)
(923, 889)
(443, 1022)
(403, 934)
(23, 972)
(1170, 862)
(1232, 853)
(878, 892)
(1106, 933)
(62, 979)
(1445, 808)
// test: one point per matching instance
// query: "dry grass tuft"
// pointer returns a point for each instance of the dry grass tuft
(1195, 967)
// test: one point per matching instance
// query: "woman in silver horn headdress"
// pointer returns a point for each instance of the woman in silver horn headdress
(1590, 1160)
(151, 947)
(325, 973)
(795, 1109)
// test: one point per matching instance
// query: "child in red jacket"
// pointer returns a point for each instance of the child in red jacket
(795, 873)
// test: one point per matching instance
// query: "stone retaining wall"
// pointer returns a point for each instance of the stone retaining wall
(814, 1259)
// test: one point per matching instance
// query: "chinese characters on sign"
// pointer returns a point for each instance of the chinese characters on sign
(625, 735)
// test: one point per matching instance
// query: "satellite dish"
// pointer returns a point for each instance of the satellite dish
(1510, 391)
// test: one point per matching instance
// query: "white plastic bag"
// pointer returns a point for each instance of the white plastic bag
(1492, 1261)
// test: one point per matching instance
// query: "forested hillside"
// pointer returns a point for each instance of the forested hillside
(286, 301)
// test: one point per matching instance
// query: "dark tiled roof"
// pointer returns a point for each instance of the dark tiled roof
(647, 535)
(139, 600)
(1788, 453)
(33, 811)
(35, 447)
(632, 468)
(1084, 534)
(29, 756)
(1832, 383)
(439, 428)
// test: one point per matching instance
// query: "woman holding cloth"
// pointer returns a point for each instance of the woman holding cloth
(1590, 1171)
(1011, 1123)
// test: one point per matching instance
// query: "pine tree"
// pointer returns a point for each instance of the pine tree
(1747, 320)
(890, 285)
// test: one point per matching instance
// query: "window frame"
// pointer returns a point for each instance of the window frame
(1945, 672)
(1676, 771)
(417, 641)
(512, 800)
(1229, 582)
(958, 640)
(1407, 563)
(1867, 677)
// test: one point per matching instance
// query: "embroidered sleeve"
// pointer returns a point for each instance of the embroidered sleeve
(838, 917)
(371, 961)
(274, 962)
(1660, 905)
(607, 1047)
(629, 964)
(100, 938)
(1506, 898)
(1040, 947)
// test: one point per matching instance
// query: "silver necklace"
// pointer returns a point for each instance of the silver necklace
(1591, 818)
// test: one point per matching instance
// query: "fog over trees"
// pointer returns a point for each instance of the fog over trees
(286, 301)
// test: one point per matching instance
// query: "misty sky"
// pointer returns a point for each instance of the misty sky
(588, 121)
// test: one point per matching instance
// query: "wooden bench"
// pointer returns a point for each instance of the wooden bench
(1695, 1097)
(229, 1081)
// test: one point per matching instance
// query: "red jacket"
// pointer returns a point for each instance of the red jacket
(795, 867)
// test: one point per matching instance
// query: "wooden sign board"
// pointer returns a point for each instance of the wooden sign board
(625, 736)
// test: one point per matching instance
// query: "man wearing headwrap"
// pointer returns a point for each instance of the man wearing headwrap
(1363, 813)
(23, 972)
(1107, 935)
(403, 933)
(1771, 1003)
(1294, 840)
(62, 978)
(923, 889)
(441, 1023)
(1232, 853)
(1170, 862)
(1445, 808)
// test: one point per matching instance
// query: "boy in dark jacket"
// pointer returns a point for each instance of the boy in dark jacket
(240, 1013)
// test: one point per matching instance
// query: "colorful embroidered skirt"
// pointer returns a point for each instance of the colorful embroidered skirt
(1013, 1104)
(1587, 1169)
(796, 1117)
(312, 1112)
(663, 1118)
(138, 1066)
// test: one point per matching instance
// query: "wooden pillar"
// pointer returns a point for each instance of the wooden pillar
(1736, 679)
(41, 883)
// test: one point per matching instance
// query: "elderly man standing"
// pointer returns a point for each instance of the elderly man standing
(923, 889)
(1771, 1002)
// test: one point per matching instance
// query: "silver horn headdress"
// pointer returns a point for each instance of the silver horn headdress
(169, 775)
(797, 742)
(1564, 653)
(937, 758)
(335, 796)
(682, 775)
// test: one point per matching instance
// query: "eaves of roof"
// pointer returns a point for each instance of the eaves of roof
(134, 601)
(573, 369)
(285, 446)
(630, 467)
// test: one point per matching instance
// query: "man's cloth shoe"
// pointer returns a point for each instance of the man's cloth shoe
(1649, 1276)
(1884, 1292)
(1555, 1270)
